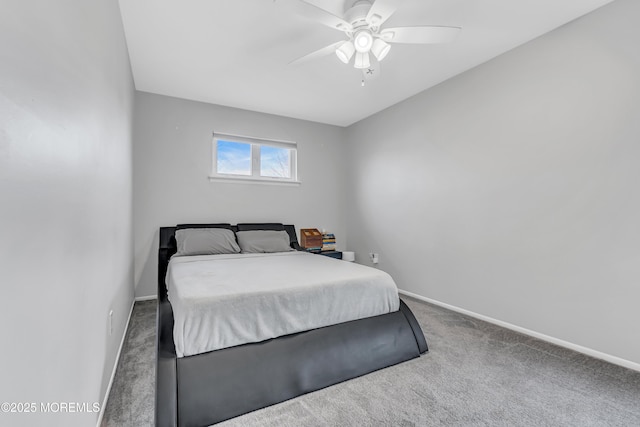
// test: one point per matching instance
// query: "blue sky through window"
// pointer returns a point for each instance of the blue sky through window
(275, 162)
(234, 158)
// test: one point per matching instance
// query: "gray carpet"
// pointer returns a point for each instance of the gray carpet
(476, 374)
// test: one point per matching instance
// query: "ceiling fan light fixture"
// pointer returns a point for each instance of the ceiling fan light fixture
(362, 60)
(380, 49)
(345, 51)
(363, 40)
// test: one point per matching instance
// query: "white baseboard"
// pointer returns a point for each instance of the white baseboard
(571, 346)
(147, 298)
(115, 366)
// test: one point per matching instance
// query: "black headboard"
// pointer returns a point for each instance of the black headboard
(168, 246)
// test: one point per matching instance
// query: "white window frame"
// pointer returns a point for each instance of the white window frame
(256, 144)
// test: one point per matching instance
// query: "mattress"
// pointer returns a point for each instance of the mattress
(222, 301)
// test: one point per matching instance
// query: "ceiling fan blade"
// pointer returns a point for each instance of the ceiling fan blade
(317, 14)
(327, 50)
(419, 35)
(381, 10)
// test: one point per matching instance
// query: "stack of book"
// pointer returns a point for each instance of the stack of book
(328, 242)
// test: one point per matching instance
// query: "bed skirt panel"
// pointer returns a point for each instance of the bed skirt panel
(208, 388)
(253, 376)
(166, 379)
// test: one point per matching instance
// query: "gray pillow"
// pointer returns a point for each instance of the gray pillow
(263, 241)
(206, 241)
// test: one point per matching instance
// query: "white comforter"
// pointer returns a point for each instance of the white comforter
(221, 301)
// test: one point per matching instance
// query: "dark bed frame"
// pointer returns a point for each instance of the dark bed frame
(208, 388)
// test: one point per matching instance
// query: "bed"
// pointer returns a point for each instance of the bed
(240, 368)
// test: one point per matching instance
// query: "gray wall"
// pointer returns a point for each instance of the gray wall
(512, 190)
(172, 161)
(66, 103)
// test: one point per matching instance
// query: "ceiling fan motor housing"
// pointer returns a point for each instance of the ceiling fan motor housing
(356, 15)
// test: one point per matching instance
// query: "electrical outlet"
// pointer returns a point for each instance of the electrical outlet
(110, 322)
(374, 257)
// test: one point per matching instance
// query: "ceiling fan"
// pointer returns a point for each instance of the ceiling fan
(368, 42)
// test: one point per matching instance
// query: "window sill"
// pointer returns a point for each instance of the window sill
(254, 181)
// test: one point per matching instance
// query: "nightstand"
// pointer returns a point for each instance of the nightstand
(332, 254)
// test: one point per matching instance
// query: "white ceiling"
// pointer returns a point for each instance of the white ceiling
(236, 52)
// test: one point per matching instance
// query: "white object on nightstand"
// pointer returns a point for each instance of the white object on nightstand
(348, 256)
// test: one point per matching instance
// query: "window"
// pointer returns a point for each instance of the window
(239, 158)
